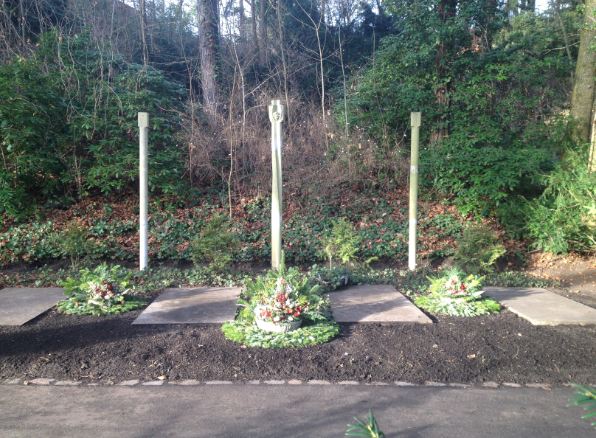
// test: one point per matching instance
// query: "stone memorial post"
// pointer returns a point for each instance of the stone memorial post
(143, 190)
(415, 122)
(276, 115)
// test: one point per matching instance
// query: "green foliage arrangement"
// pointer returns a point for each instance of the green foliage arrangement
(216, 244)
(456, 294)
(341, 243)
(101, 291)
(368, 428)
(273, 294)
(585, 396)
(563, 218)
(478, 249)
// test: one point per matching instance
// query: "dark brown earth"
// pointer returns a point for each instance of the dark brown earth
(576, 273)
(500, 348)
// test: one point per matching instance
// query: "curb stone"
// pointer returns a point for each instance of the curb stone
(153, 383)
(187, 382)
(129, 382)
(193, 382)
(42, 381)
(405, 384)
(538, 386)
(318, 382)
(67, 383)
(437, 384)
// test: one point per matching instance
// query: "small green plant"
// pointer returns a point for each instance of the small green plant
(478, 250)
(456, 294)
(585, 396)
(341, 243)
(369, 428)
(101, 291)
(283, 296)
(74, 242)
(216, 244)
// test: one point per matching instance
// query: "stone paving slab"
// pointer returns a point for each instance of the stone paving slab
(374, 303)
(21, 304)
(542, 307)
(201, 305)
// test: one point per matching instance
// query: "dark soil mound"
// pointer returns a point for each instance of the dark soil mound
(501, 348)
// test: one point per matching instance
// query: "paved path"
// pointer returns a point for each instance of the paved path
(374, 303)
(542, 307)
(21, 304)
(285, 411)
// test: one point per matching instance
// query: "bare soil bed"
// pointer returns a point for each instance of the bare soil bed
(499, 348)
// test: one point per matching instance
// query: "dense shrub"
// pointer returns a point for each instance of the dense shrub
(216, 244)
(478, 249)
(68, 125)
(341, 243)
(488, 104)
(563, 219)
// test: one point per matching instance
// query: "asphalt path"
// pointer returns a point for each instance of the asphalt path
(244, 410)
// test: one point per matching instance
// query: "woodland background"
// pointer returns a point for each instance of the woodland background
(505, 91)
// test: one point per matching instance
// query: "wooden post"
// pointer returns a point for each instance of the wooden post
(415, 122)
(276, 115)
(143, 190)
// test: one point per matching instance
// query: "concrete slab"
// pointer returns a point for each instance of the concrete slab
(21, 304)
(374, 303)
(201, 305)
(542, 307)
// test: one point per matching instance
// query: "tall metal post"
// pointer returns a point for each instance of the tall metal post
(276, 115)
(143, 190)
(415, 122)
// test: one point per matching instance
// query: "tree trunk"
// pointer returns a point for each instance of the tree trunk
(143, 17)
(262, 33)
(446, 10)
(208, 16)
(241, 21)
(583, 87)
(253, 18)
